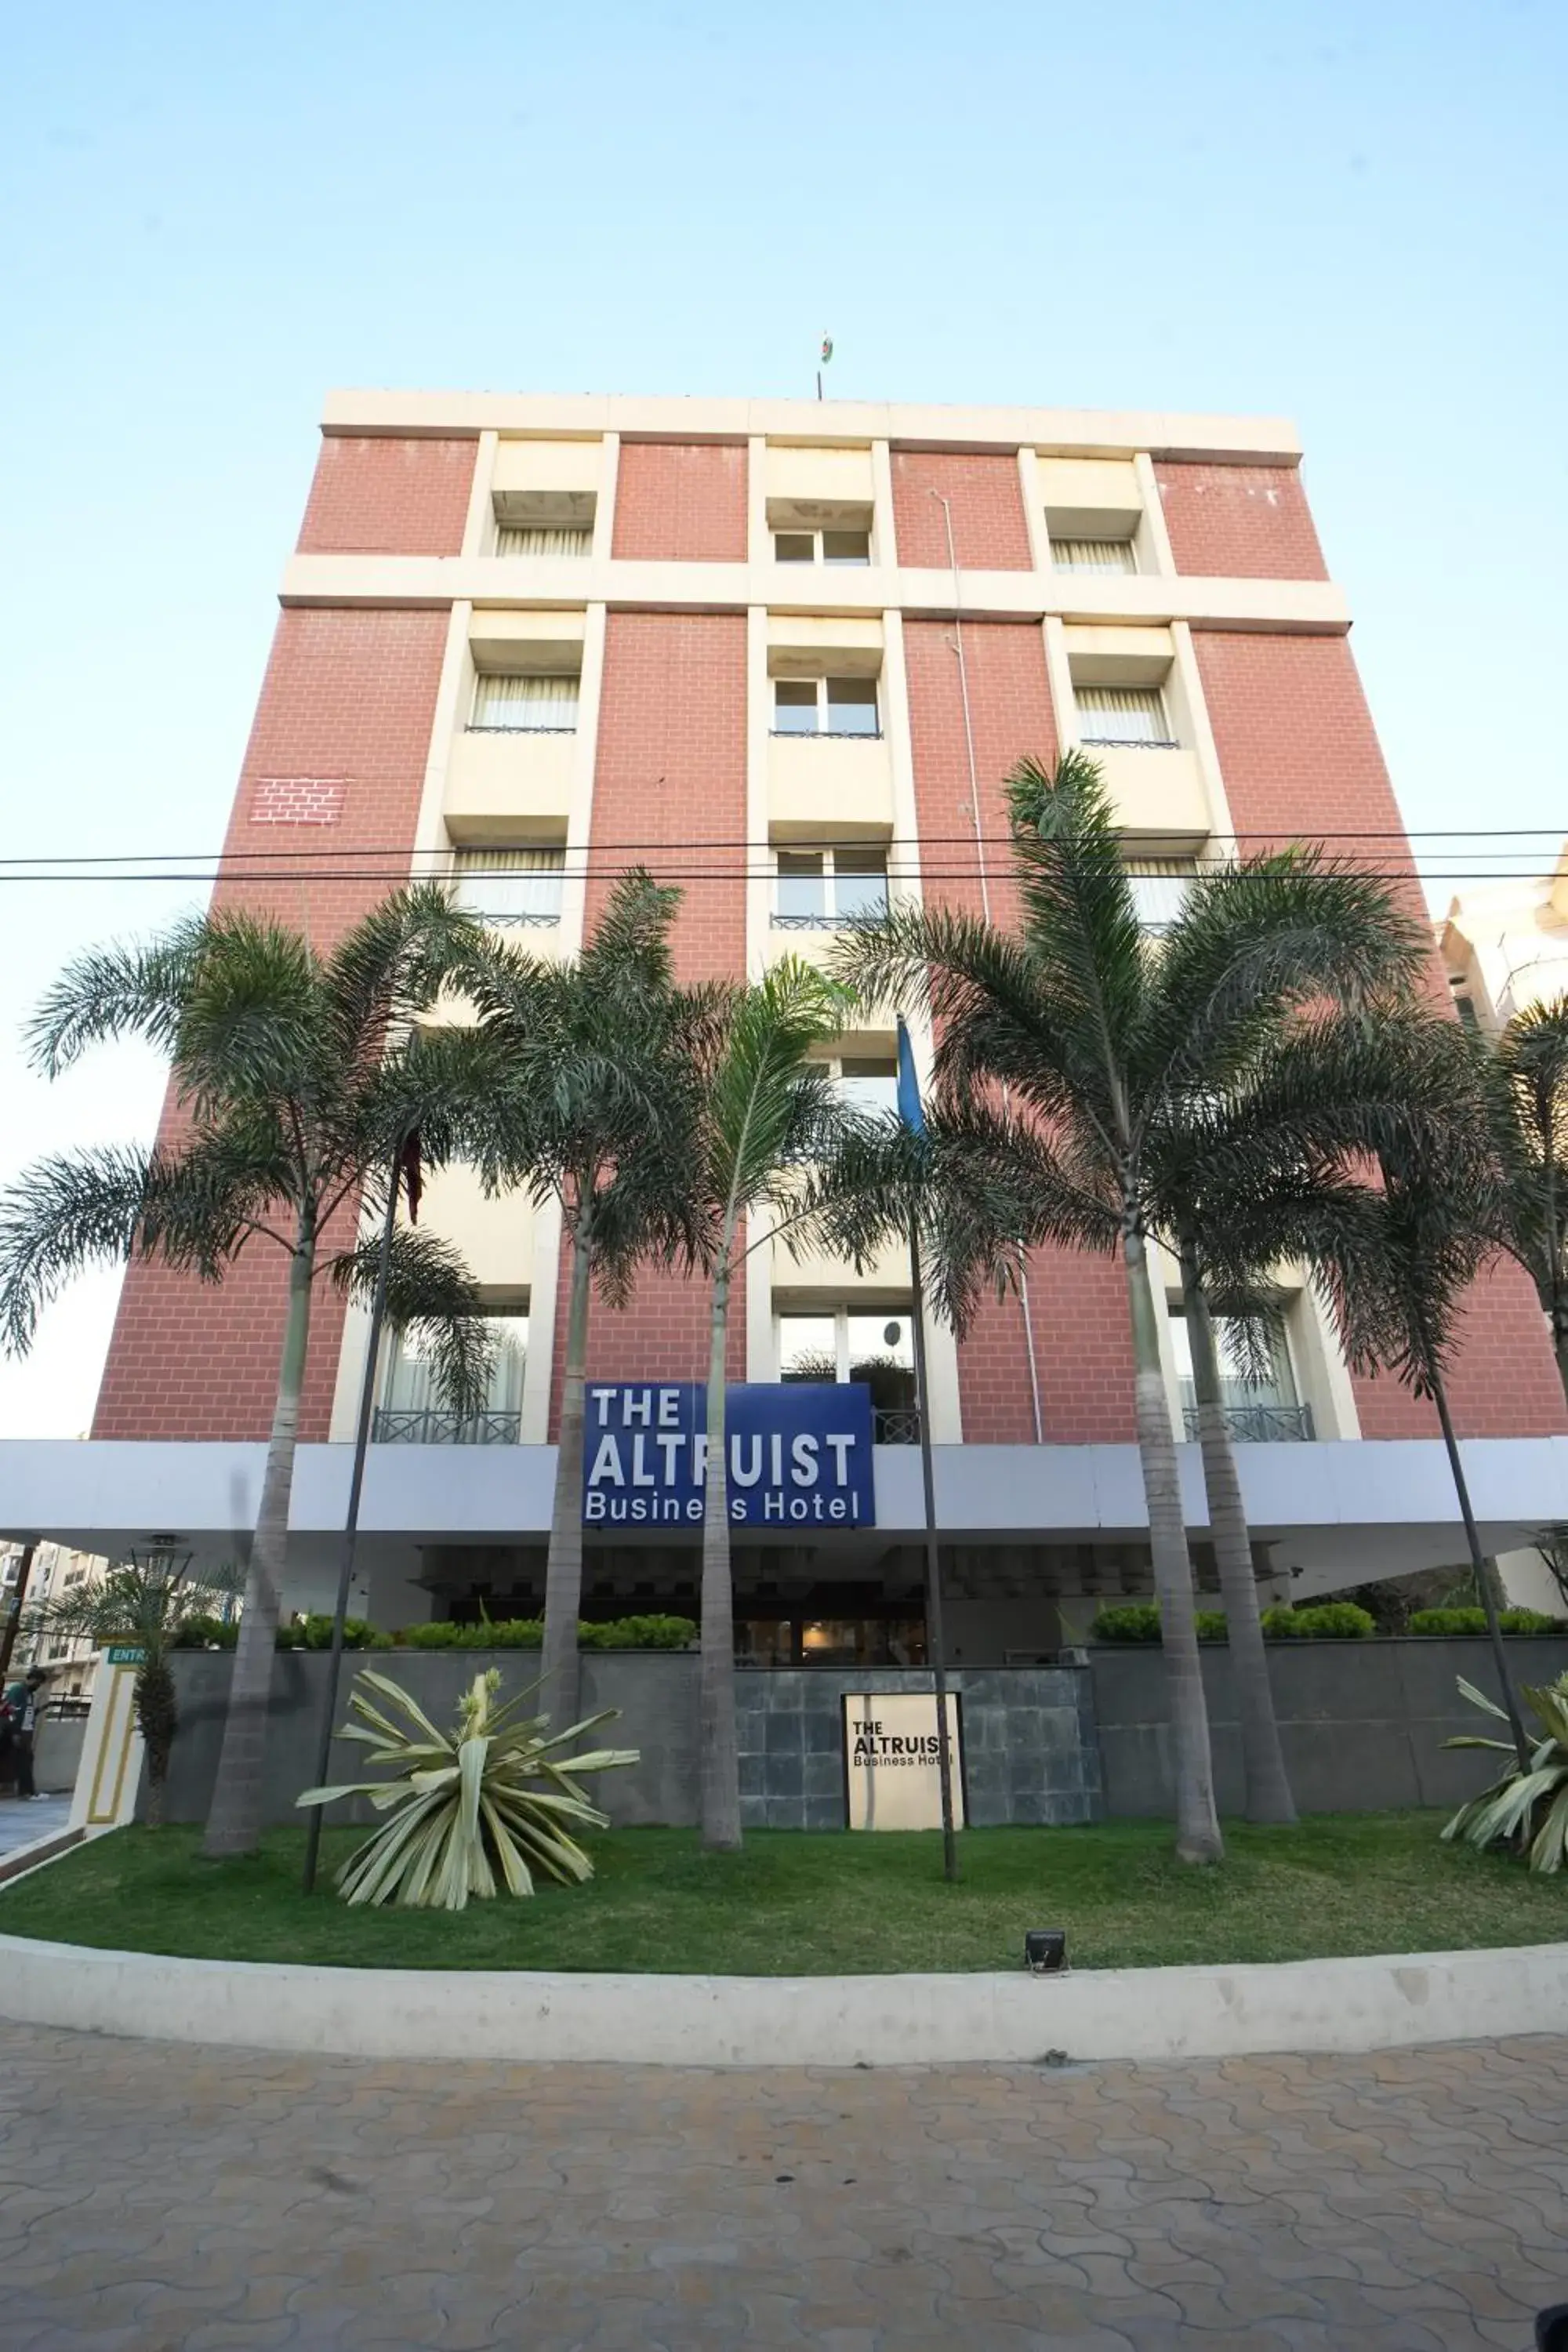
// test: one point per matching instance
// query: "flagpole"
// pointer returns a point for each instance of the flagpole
(936, 1641)
(913, 1118)
(350, 1525)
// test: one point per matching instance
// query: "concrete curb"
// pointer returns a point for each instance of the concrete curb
(1343, 2005)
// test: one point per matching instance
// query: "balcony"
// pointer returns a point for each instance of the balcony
(1260, 1424)
(829, 787)
(510, 785)
(393, 1427)
(896, 1424)
(1155, 787)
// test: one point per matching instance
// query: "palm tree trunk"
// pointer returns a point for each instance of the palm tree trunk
(1268, 1795)
(721, 1767)
(157, 1719)
(1560, 1347)
(1483, 1581)
(233, 1821)
(1197, 1825)
(560, 1663)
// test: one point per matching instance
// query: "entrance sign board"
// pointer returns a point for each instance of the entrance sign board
(890, 1760)
(799, 1454)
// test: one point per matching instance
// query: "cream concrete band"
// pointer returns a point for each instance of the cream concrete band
(519, 2017)
(1080, 433)
(420, 582)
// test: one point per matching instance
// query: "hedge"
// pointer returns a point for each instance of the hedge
(1138, 1621)
(528, 1634)
(1474, 1620)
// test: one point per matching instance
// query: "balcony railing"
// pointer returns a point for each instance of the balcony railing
(1128, 743)
(827, 922)
(896, 1424)
(392, 1427)
(1261, 1425)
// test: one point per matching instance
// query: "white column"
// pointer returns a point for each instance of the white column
(1189, 688)
(884, 531)
(1157, 539)
(1033, 510)
(760, 1364)
(759, 542)
(478, 527)
(1058, 673)
(604, 502)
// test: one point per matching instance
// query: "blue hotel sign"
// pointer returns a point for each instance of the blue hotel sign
(800, 1454)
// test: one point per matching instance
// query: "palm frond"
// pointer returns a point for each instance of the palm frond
(432, 1297)
(116, 991)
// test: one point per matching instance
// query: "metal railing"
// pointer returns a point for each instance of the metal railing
(829, 734)
(1128, 743)
(896, 1424)
(1261, 1425)
(392, 1427)
(825, 922)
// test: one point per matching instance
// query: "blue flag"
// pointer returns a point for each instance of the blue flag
(910, 1110)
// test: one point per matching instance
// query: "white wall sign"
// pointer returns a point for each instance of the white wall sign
(890, 1760)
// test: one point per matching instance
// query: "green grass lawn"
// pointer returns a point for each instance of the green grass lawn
(819, 1903)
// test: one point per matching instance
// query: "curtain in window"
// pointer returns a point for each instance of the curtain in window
(510, 885)
(542, 539)
(1120, 714)
(1160, 886)
(545, 706)
(1093, 555)
(410, 1387)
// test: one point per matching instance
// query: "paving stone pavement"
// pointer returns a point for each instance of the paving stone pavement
(158, 2197)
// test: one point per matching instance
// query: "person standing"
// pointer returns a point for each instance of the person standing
(21, 1704)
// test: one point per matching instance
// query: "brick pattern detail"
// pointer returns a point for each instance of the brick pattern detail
(346, 693)
(1083, 1357)
(1298, 756)
(1239, 522)
(680, 502)
(986, 497)
(669, 788)
(387, 497)
(297, 800)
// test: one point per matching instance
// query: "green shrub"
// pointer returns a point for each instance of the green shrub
(1324, 1620)
(1212, 1626)
(1474, 1620)
(528, 1634)
(315, 1633)
(205, 1634)
(1131, 1621)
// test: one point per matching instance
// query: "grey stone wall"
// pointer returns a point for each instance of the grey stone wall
(1029, 1743)
(1361, 1723)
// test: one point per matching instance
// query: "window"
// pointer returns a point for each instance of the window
(820, 888)
(412, 1409)
(867, 1083)
(1093, 555)
(1123, 714)
(536, 538)
(1258, 1397)
(510, 885)
(529, 706)
(1160, 886)
(825, 705)
(848, 1344)
(822, 546)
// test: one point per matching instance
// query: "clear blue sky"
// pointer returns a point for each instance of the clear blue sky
(1353, 214)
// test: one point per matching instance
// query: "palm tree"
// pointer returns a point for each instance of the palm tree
(590, 1099)
(1075, 1050)
(298, 1076)
(151, 1605)
(1527, 1105)
(1241, 1178)
(1397, 1255)
(767, 1107)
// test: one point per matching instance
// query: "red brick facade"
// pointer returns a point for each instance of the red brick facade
(1239, 522)
(669, 791)
(985, 497)
(1299, 758)
(1083, 1361)
(680, 502)
(378, 497)
(349, 698)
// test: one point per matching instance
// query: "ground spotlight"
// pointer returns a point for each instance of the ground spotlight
(1046, 1950)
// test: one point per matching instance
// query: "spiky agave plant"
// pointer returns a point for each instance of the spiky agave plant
(1529, 1808)
(466, 1818)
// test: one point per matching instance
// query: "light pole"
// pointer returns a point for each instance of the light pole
(350, 1525)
